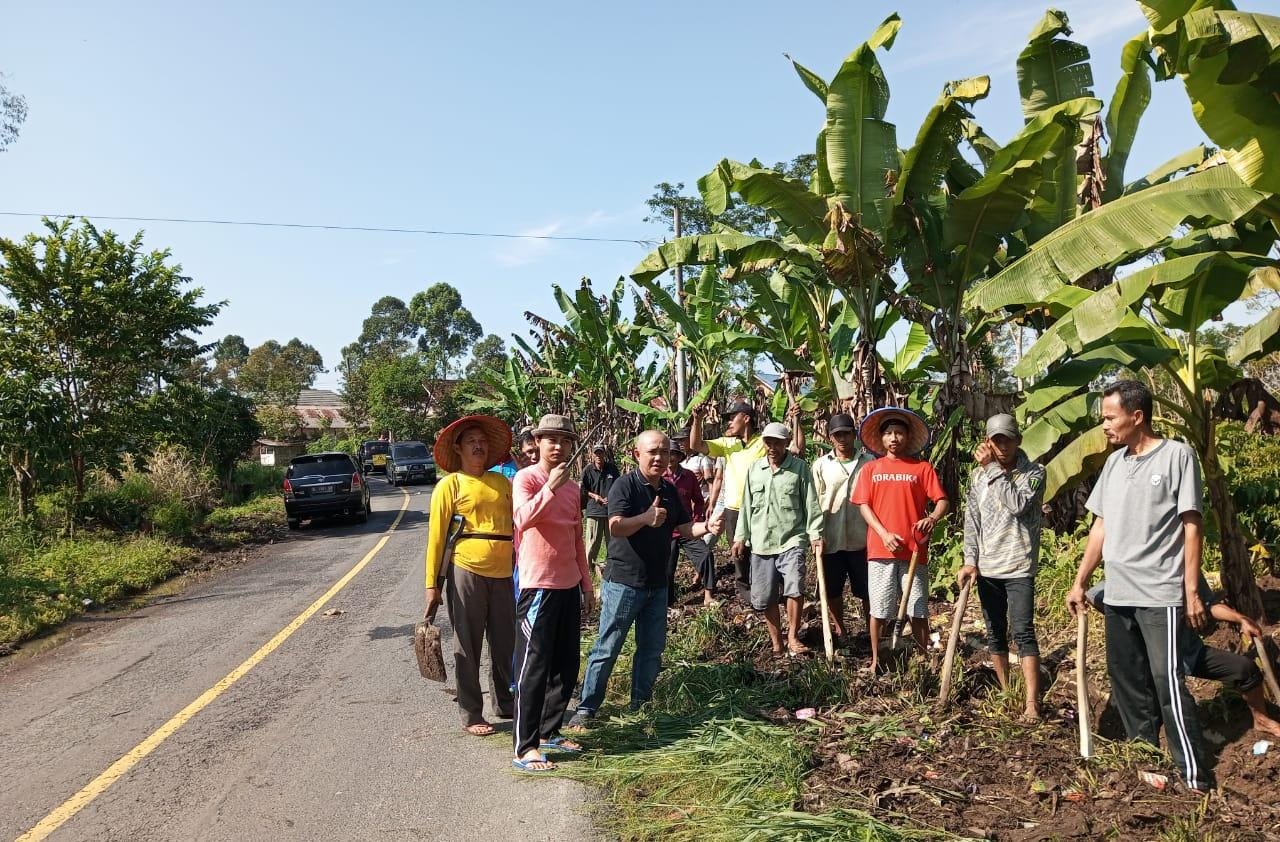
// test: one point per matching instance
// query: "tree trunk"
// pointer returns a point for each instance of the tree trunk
(1237, 569)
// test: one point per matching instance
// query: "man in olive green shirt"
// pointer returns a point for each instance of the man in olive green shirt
(780, 517)
(740, 447)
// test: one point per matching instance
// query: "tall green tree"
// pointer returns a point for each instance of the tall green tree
(446, 328)
(97, 318)
(489, 354)
(276, 374)
(226, 357)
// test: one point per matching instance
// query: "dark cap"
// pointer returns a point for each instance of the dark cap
(841, 422)
(682, 433)
(739, 406)
(599, 447)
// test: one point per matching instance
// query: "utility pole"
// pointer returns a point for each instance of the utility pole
(681, 387)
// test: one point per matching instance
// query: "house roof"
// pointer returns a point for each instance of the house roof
(326, 398)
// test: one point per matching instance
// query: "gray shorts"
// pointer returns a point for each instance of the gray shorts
(776, 576)
(886, 581)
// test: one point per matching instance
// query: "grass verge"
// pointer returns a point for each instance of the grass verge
(45, 581)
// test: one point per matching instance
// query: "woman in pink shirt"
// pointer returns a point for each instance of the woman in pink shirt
(555, 587)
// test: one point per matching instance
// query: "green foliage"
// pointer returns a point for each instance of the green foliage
(447, 328)
(1252, 466)
(13, 112)
(91, 320)
(216, 426)
(257, 478)
(170, 493)
(329, 443)
(43, 588)
(276, 374)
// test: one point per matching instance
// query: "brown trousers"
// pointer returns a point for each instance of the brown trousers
(481, 606)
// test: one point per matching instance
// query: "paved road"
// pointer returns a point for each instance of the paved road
(332, 736)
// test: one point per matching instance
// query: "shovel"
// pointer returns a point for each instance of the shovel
(906, 596)
(1082, 685)
(962, 603)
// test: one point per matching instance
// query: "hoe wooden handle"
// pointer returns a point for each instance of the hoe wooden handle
(1082, 684)
(944, 696)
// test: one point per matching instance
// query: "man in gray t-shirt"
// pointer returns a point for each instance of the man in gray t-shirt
(1147, 529)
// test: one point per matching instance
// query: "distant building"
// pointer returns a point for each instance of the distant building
(322, 410)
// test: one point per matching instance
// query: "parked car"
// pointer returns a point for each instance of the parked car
(410, 461)
(373, 455)
(324, 484)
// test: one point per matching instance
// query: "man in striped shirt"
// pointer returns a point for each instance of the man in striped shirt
(1001, 547)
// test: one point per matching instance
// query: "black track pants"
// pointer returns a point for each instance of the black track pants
(548, 655)
(1147, 649)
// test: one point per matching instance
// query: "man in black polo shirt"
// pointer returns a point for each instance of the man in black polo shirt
(644, 508)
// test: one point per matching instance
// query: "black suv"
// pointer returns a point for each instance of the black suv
(373, 455)
(324, 484)
(410, 461)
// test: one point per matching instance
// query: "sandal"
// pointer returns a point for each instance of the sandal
(561, 744)
(534, 765)
(479, 729)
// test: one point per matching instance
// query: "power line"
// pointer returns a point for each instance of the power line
(321, 227)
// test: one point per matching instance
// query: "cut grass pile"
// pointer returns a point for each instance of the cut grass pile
(719, 753)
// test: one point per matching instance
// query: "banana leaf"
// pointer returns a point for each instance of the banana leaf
(1083, 456)
(861, 147)
(1128, 104)
(1258, 339)
(1052, 69)
(1067, 418)
(1075, 374)
(811, 80)
(1229, 62)
(746, 250)
(1122, 229)
(800, 211)
(1189, 160)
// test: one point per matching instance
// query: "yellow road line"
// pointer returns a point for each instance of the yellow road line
(116, 770)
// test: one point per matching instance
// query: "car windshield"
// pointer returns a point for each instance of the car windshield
(320, 466)
(376, 447)
(410, 451)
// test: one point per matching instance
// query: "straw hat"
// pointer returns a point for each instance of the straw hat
(497, 432)
(917, 430)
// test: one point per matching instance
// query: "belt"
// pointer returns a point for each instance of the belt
(485, 536)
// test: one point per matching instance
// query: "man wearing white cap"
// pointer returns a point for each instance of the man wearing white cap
(1001, 548)
(780, 515)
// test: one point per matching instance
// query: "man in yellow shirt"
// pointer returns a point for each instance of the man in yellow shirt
(479, 595)
(741, 447)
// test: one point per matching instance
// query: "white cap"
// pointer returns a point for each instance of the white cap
(776, 430)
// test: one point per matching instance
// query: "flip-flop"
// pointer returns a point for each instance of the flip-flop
(487, 733)
(559, 744)
(524, 765)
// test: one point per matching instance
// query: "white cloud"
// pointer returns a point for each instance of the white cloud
(522, 252)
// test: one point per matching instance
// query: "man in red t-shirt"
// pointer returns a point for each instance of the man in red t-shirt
(893, 493)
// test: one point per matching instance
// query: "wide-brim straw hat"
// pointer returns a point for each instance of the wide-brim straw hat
(497, 432)
(917, 429)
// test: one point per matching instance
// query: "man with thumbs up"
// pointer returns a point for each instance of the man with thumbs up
(644, 509)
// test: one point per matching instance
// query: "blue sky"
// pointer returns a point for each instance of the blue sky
(554, 118)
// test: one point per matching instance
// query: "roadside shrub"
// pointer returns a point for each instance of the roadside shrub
(43, 588)
(252, 478)
(173, 519)
(170, 493)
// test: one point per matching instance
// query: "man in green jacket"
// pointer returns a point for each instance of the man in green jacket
(780, 515)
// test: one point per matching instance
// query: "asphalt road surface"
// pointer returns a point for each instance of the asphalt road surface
(331, 735)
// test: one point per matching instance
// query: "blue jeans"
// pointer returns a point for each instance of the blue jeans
(620, 606)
